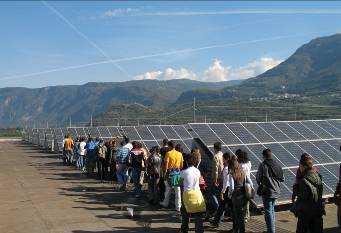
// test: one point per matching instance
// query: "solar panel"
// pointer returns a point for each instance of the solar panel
(157, 132)
(242, 133)
(205, 133)
(275, 133)
(282, 156)
(304, 131)
(169, 132)
(320, 132)
(224, 134)
(289, 131)
(287, 140)
(258, 132)
(335, 132)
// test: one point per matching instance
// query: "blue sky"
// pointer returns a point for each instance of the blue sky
(59, 43)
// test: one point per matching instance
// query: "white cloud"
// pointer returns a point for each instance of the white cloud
(216, 72)
(149, 75)
(255, 68)
(119, 12)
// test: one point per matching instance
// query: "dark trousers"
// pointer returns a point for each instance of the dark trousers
(223, 207)
(238, 213)
(101, 168)
(309, 223)
(198, 219)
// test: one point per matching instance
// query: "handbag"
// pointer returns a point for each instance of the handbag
(194, 201)
(249, 191)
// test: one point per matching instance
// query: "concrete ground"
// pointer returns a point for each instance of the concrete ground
(40, 195)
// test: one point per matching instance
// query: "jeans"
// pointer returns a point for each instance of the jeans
(80, 162)
(122, 174)
(101, 168)
(239, 207)
(136, 175)
(177, 191)
(198, 219)
(269, 214)
(153, 194)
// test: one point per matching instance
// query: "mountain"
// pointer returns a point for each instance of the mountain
(314, 68)
(21, 106)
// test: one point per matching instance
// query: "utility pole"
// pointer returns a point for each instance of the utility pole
(194, 117)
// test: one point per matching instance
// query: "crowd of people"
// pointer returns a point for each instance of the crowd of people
(203, 190)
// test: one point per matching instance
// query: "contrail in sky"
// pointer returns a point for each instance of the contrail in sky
(188, 50)
(81, 34)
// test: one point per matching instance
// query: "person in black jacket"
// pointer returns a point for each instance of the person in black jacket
(309, 199)
(269, 176)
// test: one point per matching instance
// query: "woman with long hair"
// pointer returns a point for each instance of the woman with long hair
(236, 180)
(245, 163)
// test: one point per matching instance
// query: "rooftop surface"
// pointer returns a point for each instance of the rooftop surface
(39, 195)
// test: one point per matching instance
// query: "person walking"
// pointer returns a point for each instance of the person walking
(223, 195)
(121, 166)
(245, 164)
(215, 178)
(269, 176)
(173, 165)
(153, 171)
(101, 151)
(309, 199)
(68, 148)
(81, 154)
(162, 188)
(337, 197)
(90, 156)
(137, 164)
(193, 200)
(236, 180)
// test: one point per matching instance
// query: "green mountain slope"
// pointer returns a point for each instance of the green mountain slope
(21, 106)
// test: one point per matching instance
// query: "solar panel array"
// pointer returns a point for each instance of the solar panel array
(287, 140)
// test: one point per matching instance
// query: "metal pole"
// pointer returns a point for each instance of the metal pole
(91, 120)
(70, 122)
(194, 110)
(266, 117)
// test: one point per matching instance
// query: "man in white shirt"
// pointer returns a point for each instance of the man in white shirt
(81, 154)
(128, 144)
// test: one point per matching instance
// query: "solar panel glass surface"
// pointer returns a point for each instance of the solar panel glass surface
(144, 133)
(225, 134)
(157, 132)
(282, 155)
(169, 132)
(274, 132)
(289, 131)
(205, 133)
(320, 132)
(258, 132)
(181, 131)
(329, 128)
(304, 131)
(317, 155)
(242, 133)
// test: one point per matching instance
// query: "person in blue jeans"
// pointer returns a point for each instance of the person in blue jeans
(269, 176)
(121, 166)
